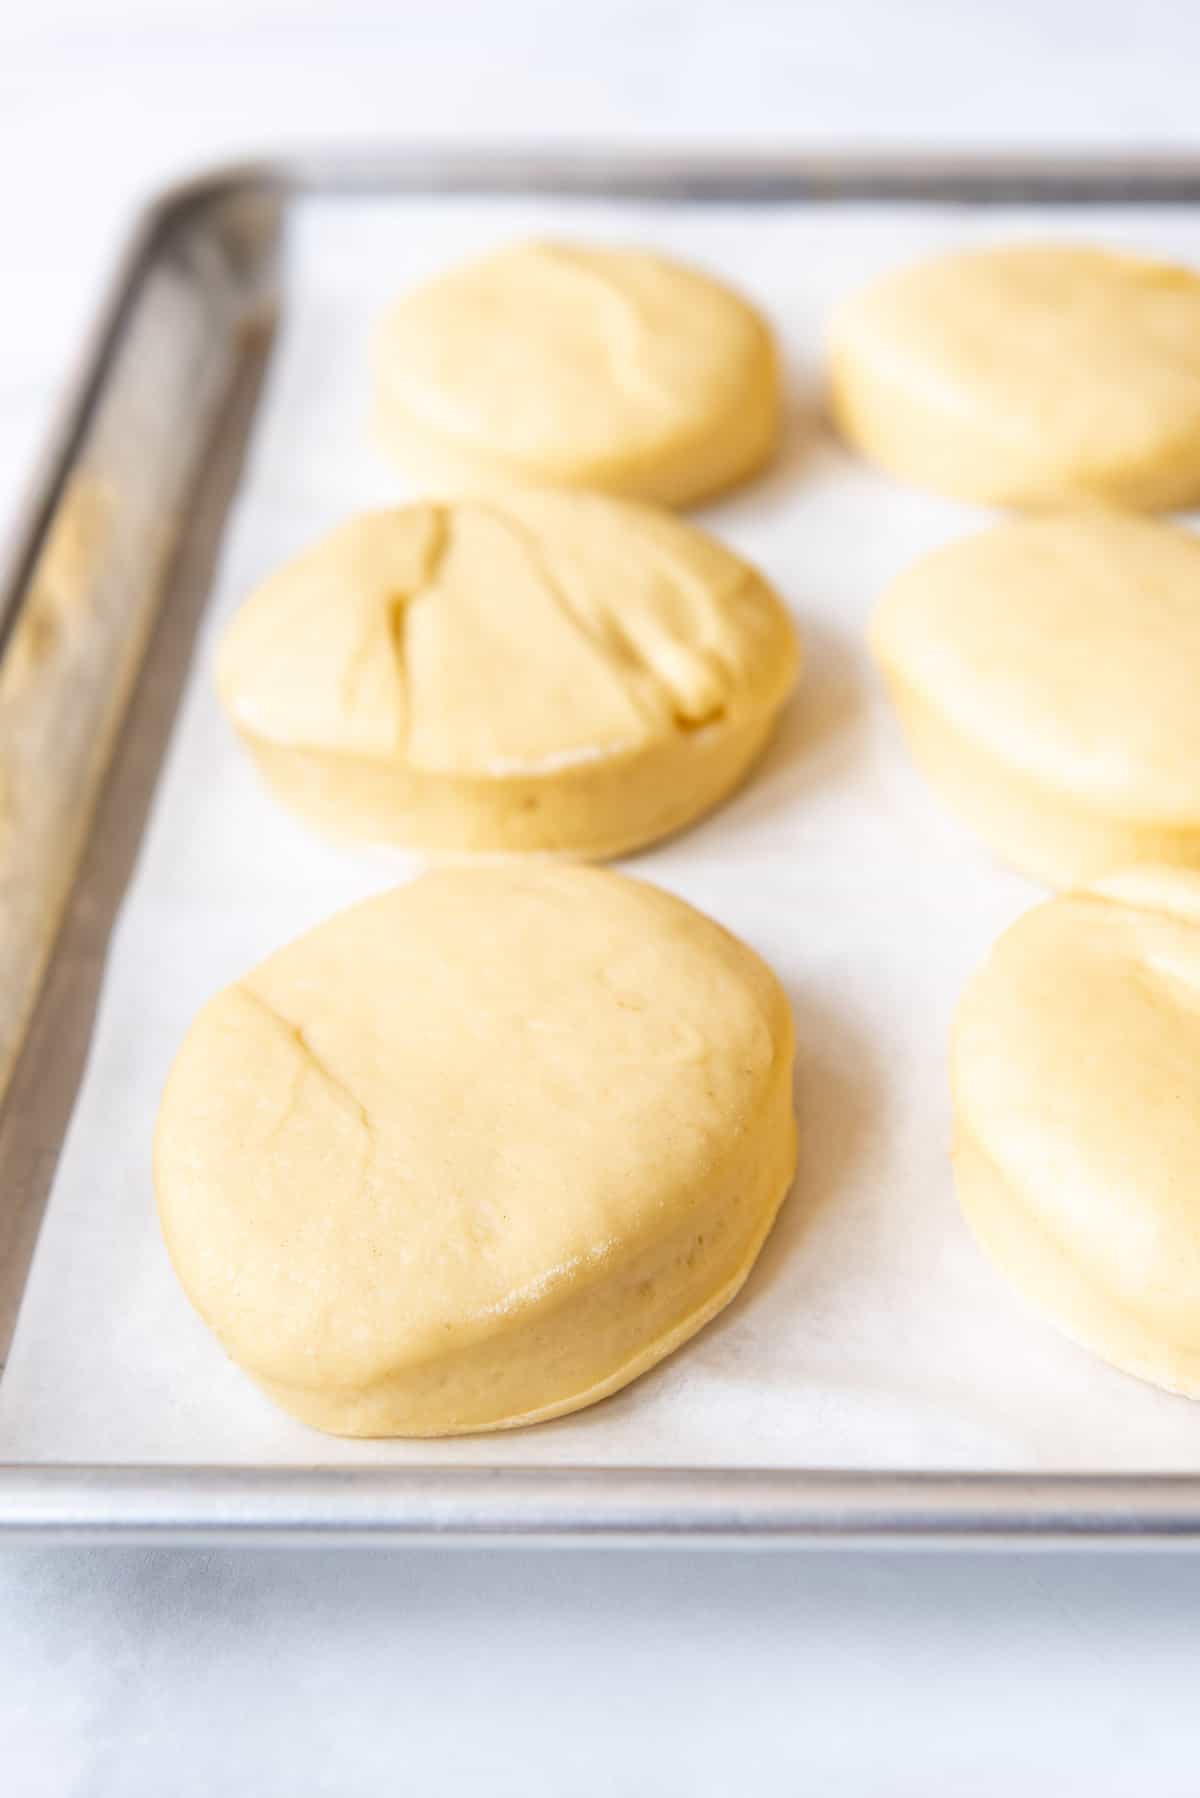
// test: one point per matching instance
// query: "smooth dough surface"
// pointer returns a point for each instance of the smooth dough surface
(1046, 673)
(1076, 1071)
(1032, 375)
(556, 672)
(479, 1150)
(568, 365)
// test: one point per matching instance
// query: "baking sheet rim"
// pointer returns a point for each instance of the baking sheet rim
(651, 1505)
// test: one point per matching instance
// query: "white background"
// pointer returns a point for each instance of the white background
(177, 1672)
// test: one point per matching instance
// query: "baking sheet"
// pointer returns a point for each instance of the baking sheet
(872, 1334)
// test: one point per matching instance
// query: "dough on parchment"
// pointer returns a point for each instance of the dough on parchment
(1032, 375)
(556, 672)
(1047, 674)
(1076, 1072)
(568, 365)
(477, 1151)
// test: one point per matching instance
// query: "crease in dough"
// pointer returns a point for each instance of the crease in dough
(629, 347)
(555, 672)
(310, 1061)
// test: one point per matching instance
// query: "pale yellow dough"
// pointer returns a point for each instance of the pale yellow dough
(555, 672)
(1076, 1071)
(568, 365)
(1047, 674)
(1031, 375)
(478, 1151)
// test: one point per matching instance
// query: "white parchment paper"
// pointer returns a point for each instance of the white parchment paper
(872, 1333)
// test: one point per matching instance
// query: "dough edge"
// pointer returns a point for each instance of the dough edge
(1033, 827)
(594, 809)
(411, 1401)
(1049, 1278)
(941, 446)
(735, 445)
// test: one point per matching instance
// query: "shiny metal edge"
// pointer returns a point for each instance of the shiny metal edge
(678, 174)
(630, 1507)
(107, 582)
(656, 1506)
(560, 1505)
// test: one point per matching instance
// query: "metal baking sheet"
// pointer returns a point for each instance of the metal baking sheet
(876, 1382)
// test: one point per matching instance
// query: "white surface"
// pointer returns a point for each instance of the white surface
(597, 1676)
(126, 1674)
(872, 1333)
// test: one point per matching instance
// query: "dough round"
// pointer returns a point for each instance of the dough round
(478, 1151)
(564, 365)
(1047, 673)
(1032, 375)
(554, 671)
(1076, 1068)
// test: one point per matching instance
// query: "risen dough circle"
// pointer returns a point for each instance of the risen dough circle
(559, 364)
(1047, 673)
(1033, 375)
(553, 671)
(1076, 1067)
(477, 1151)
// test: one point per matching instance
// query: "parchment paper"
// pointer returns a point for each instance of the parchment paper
(873, 1333)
